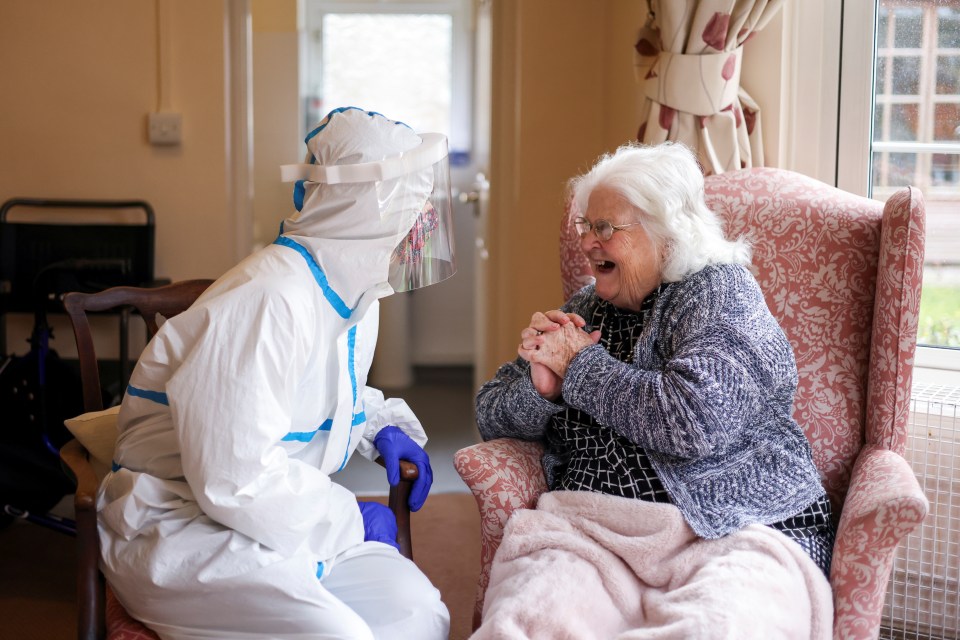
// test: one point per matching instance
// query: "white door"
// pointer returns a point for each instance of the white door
(412, 61)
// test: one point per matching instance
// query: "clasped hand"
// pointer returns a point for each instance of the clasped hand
(549, 343)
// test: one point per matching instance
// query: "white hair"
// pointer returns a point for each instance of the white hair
(664, 184)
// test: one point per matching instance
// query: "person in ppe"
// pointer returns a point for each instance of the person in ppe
(222, 517)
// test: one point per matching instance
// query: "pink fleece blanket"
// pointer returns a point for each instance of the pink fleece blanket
(584, 565)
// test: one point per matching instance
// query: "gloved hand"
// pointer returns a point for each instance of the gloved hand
(394, 445)
(379, 523)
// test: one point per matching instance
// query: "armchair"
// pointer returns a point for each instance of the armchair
(842, 275)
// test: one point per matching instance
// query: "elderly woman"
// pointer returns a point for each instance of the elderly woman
(668, 380)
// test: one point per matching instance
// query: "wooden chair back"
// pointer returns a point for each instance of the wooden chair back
(166, 301)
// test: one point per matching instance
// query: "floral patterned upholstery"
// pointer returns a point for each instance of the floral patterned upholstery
(120, 626)
(842, 275)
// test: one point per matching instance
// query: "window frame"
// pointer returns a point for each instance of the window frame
(856, 79)
(461, 71)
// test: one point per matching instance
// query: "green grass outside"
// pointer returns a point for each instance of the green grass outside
(939, 316)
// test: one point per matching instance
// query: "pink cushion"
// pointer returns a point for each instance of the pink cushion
(120, 626)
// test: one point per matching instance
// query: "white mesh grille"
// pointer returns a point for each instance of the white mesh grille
(923, 596)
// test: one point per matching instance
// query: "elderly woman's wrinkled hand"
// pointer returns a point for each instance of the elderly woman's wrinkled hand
(560, 346)
(544, 322)
(545, 381)
(549, 344)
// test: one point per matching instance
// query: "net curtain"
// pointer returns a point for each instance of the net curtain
(687, 63)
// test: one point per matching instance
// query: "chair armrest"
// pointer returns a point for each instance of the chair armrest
(504, 475)
(90, 602)
(883, 505)
(398, 503)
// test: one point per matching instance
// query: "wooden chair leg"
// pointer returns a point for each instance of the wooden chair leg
(399, 495)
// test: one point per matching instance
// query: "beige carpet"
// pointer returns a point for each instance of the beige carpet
(37, 590)
(446, 545)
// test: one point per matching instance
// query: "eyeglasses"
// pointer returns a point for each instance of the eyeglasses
(603, 228)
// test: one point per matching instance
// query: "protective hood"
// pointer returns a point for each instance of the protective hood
(374, 205)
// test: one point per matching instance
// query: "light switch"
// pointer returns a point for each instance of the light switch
(164, 128)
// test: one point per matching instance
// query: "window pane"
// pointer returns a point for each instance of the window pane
(908, 24)
(945, 170)
(883, 24)
(903, 123)
(397, 64)
(948, 28)
(939, 311)
(948, 75)
(895, 170)
(947, 122)
(906, 75)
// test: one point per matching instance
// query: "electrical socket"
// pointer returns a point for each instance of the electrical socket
(164, 128)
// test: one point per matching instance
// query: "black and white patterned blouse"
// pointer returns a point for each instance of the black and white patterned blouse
(594, 458)
(590, 457)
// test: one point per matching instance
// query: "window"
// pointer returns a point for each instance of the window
(916, 141)
(407, 60)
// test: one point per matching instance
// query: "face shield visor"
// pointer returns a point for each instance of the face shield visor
(415, 206)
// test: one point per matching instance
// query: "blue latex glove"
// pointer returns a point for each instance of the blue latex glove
(394, 445)
(379, 523)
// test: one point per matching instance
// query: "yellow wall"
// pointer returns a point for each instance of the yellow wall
(77, 80)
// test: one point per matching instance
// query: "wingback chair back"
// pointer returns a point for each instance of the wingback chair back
(842, 275)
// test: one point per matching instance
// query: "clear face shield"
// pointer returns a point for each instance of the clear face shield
(415, 205)
(425, 255)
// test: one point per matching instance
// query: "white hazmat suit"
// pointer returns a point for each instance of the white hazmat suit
(220, 518)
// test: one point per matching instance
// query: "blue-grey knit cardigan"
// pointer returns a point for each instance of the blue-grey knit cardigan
(708, 394)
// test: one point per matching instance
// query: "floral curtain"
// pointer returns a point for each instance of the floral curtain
(687, 63)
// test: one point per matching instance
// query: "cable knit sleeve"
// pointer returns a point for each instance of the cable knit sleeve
(712, 358)
(509, 406)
